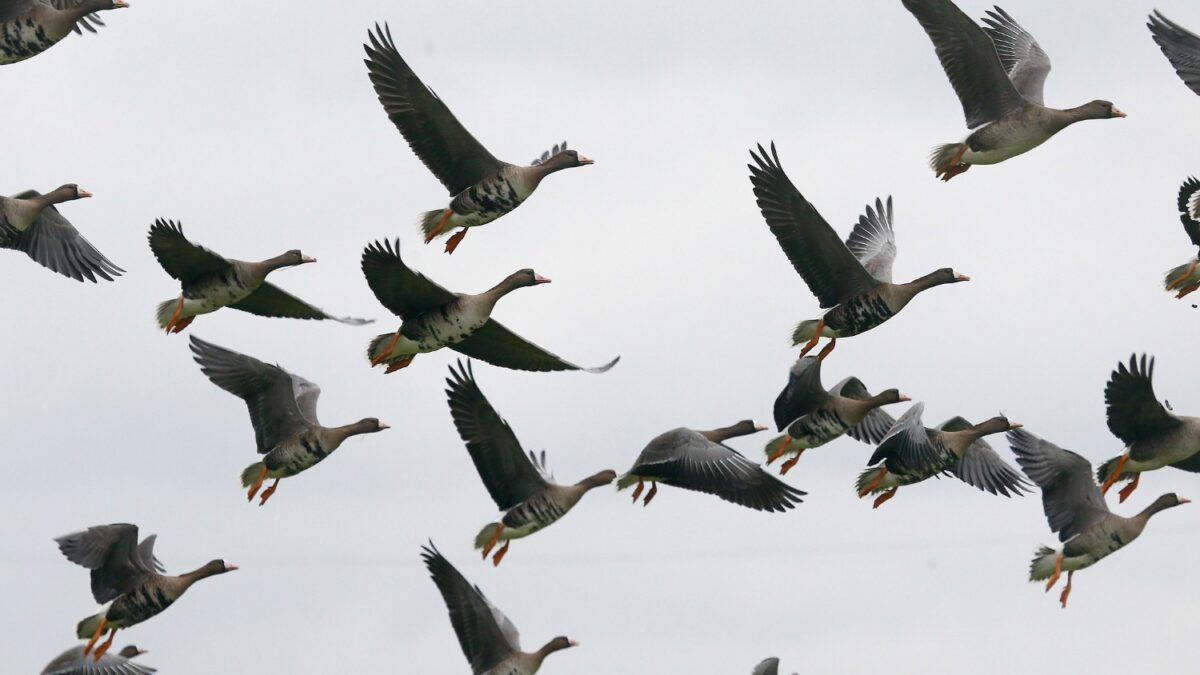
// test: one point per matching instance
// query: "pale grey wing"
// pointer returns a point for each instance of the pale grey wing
(1022, 57)
(15, 9)
(803, 393)
(1181, 47)
(1071, 499)
(970, 60)
(306, 393)
(269, 391)
(74, 662)
(89, 21)
(111, 553)
(767, 667)
(272, 301)
(874, 427)
(908, 442)
(981, 467)
(684, 458)
(873, 241)
(54, 243)
(145, 555)
(484, 641)
(499, 346)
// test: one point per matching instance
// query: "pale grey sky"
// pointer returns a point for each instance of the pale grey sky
(256, 127)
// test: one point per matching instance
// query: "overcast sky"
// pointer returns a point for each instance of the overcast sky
(255, 126)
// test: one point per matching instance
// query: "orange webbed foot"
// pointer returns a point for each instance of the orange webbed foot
(1116, 473)
(873, 484)
(453, 242)
(96, 636)
(500, 554)
(1128, 489)
(440, 226)
(100, 651)
(400, 363)
(828, 348)
(787, 466)
(883, 498)
(787, 440)
(1066, 591)
(383, 355)
(1058, 561)
(1186, 290)
(650, 495)
(637, 492)
(495, 538)
(262, 475)
(268, 492)
(812, 342)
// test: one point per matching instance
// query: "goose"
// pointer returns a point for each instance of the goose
(127, 576)
(813, 417)
(911, 453)
(1185, 278)
(283, 412)
(1181, 47)
(210, 281)
(433, 317)
(517, 481)
(998, 72)
(853, 280)
(488, 639)
(30, 27)
(75, 662)
(482, 188)
(30, 223)
(1076, 510)
(700, 461)
(768, 666)
(1153, 437)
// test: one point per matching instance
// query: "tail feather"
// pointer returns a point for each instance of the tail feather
(1042, 565)
(942, 154)
(163, 314)
(778, 442)
(378, 344)
(805, 330)
(250, 474)
(429, 222)
(485, 535)
(87, 628)
(1110, 466)
(627, 480)
(869, 475)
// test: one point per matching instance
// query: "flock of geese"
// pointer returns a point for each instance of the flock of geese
(997, 70)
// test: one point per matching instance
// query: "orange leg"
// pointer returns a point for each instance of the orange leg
(1112, 478)
(638, 490)
(828, 348)
(1058, 561)
(787, 440)
(453, 242)
(400, 363)
(1066, 591)
(440, 226)
(382, 356)
(104, 647)
(815, 338)
(96, 636)
(873, 484)
(884, 497)
(787, 466)
(1187, 289)
(495, 538)
(268, 492)
(1128, 489)
(650, 495)
(183, 323)
(953, 167)
(1183, 277)
(175, 316)
(262, 475)
(500, 554)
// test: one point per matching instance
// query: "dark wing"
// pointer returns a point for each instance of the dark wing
(829, 268)
(74, 662)
(1181, 47)
(767, 667)
(1070, 498)
(873, 241)
(1022, 57)
(802, 394)
(872, 428)
(909, 442)
(15, 9)
(112, 553)
(404, 292)
(1189, 209)
(970, 60)
(270, 392)
(486, 636)
(502, 464)
(54, 243)
(182, 259)
(686, 459)
(88, 21)
(1133, 411)
(981, 467)
(1190, 464)
(433, 133)
(499, 346)
(270, 300)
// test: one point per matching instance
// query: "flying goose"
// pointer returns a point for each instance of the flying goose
(998, 72)
(1181, 47)
(283, 412)
(1153, 437)
(488, 639)
(1185, 278)
(210, 281)
(700, 461)
(911, 453)
(852, 279)
(516, 480)
(127, 576)
(482, 187)
(30, 223)
(75, 662)
(30, 27)
(1076, 510)
(813, 417)
(433, 317)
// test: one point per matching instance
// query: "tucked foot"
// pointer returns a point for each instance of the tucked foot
(873, 484)
(440, 226)
(500, 554)
(828, 348)
(815, 338)
(1128, 489)
(650, 495)
(383, 355)
(787, 466)
(262, 475)
(1066, 591)
(1112, 477)
(636, 493)
(400, 363)
(104, 647)
(175, 317)
(1058, 561)
(1187, 289)
(955, 166)
(1183, 277)
(883, 498)
(96, 636)
(268, 492)
(787, 440)
(452, 243)
(953, 171)
(495, 538)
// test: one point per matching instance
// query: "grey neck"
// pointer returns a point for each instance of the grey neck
(926, 282)
(506, 286)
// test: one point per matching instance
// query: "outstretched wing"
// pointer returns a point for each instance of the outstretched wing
(499, 346)
(112, 553)
(486, 636)
(182, 259)
(1022, 57)
(873, 241)
(803, 392)
(54, 243)
(404, 292)
(1134, 413)
(981, 467)
(1070, 498)
(1181, 47)
(270, 300)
